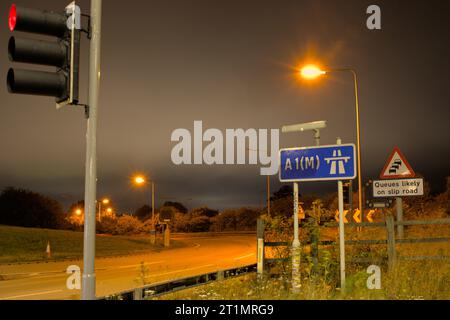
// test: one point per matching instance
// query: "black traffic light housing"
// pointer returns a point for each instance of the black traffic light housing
(64, 54)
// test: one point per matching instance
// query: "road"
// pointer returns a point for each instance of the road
(47, 281)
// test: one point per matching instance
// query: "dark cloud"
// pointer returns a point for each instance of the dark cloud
(230, 64)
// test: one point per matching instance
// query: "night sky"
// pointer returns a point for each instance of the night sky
(232, 65)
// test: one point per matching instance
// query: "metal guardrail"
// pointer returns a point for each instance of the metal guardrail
(166, 287)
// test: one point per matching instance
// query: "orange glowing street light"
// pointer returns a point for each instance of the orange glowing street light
(140, 180)
(78, 212)
(311, 72)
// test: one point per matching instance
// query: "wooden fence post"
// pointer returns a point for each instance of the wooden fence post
(392, 254)
(137, 294)
(260, 246)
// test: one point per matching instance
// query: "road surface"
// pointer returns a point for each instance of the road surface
(47, 281)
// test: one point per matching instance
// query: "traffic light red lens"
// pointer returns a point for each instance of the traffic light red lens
(12, 17)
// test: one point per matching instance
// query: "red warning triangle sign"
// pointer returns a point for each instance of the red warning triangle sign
(397, 167)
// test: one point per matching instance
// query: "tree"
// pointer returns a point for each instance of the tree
(181, 222)
(204, 211)
(284, 192)
(199, 224)
(178, 206)
(25, 208)
(167, 213)
(128, 225)
(143, 213)
(77, 205)
(283, 207)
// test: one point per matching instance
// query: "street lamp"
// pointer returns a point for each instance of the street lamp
(310, 72)
(105, 201)
(140, 181)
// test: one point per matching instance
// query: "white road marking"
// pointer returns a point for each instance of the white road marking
(247, 256)
(31, 295)
(176, 271)
(135, 265)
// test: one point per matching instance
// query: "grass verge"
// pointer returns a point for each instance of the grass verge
(425, 280)
(26, 245)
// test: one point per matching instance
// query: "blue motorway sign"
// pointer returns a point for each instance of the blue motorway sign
(325, 163)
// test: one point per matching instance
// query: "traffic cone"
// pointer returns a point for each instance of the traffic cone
(49, 250)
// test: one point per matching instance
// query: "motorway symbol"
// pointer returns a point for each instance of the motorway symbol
(397, 167)
(327, 163)
(336, 160)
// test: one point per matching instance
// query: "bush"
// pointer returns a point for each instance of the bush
(199, 224)
(128, 225)
(243, 219)
(181, 222)
(107, 225)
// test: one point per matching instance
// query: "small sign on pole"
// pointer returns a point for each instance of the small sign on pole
(398, 188)
(397, 167)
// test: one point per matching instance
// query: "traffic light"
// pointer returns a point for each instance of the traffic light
(64, 53)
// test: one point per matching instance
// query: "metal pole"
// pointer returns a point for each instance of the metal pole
(88, 283)
(153, 231)
(268, 195)
(400, 228)
(341, 230)
(153, 202)
(358, 137)
(317, 137)
(260, 247)
(296, 246)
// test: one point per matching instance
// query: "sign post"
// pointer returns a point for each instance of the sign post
(296, 252)
(397, 167)
(326, 163)
(341, 230)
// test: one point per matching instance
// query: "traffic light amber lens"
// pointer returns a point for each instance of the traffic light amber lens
(12, 17)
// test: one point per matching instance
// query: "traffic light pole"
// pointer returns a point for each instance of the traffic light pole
(88, 284)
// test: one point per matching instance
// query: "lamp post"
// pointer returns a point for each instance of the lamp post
(267, 184)
(311, 72)
(105, 202)
(140, 181)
